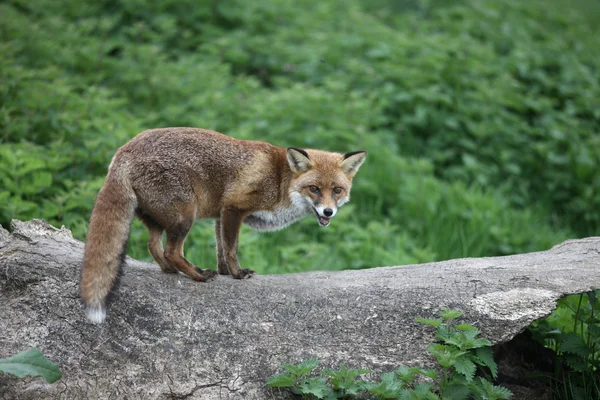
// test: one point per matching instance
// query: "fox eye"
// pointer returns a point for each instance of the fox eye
(337, 190)
(313, 189)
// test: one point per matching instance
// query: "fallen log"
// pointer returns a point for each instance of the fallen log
(167, 336)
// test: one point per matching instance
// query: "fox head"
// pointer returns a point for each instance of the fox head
(322, 180)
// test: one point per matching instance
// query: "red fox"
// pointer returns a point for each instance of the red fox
(170, 177)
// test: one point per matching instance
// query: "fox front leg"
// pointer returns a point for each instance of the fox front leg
(231, 221)
(221, 262)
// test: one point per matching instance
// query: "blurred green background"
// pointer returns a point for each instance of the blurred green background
(481, 118)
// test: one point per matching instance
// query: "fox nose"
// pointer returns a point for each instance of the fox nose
(328, 212)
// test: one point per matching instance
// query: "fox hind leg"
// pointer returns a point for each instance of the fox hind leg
(158, 253)
(155, 243)
(176, 235)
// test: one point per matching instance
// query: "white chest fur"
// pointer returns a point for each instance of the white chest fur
(280, 217)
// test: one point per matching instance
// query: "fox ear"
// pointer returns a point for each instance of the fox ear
(298, 160)
(352, 162)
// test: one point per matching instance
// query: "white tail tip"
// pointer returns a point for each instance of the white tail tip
(96, 314)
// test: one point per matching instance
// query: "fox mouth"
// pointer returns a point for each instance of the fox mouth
(323, 221)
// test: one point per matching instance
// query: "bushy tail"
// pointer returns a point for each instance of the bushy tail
(106, 242)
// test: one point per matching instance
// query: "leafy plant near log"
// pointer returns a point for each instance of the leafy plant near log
(572, 331)
(459, 352)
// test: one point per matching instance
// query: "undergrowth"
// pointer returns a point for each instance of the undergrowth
(572, 332)
(465, 370)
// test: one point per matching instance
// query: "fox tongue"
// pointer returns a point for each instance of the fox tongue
(324, 221)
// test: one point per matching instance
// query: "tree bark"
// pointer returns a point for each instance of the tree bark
(167, 336)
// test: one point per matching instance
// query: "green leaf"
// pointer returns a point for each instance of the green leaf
(574, 344)
(594, 331)
(447, 335)
(282, 380)
(31, 362)
(577, 363)
(446, 356)
(466, 367)
(8, 155)
(344, 373)
(406, 374)
(42, 179)
(457, 392)
(388, 388)
(406, 394)
(471, 334)
(432, 322)
(303, 368)
(430, 373)
(450, 314)
(421, 389)
(432, 396)
(465, 327)
(480, 342)
(50, 209)
(485, 357)
(332, 395)
(470, 161)
(489, 391)
(344, 379)
(315, 386)
(32, 164)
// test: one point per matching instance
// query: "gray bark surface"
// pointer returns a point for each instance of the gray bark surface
(167, 336)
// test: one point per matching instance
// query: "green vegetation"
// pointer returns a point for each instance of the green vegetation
(572, 331)
(31, 362)
(459, 354)
(481, 118)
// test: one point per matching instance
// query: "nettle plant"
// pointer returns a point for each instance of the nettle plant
(459, 352)
(572, 332)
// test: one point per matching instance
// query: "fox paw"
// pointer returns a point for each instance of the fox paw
(245, 273)
(206, 274)
(223, 269)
